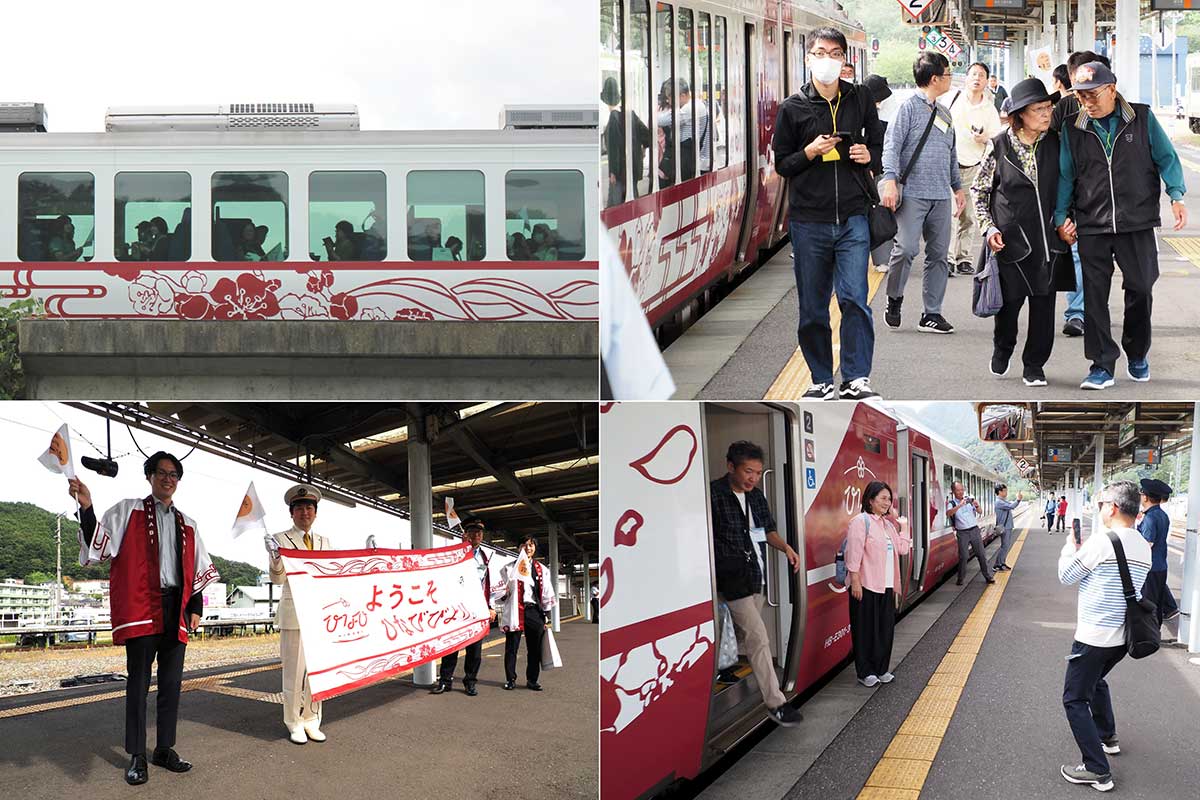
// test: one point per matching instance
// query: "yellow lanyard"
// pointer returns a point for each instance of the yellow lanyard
(833, 155)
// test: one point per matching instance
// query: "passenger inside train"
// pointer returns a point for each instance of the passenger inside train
(62, 241)
(342, 247)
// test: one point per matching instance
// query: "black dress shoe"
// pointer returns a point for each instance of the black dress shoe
(534, 685)
(991, 580)
(137, 773)
(441, 688)
(958, 582)
(471, 690)
(169, 759)
(510, 684)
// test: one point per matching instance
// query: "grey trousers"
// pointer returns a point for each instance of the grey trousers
(1006, 537)
(917, 218)
(971, 536)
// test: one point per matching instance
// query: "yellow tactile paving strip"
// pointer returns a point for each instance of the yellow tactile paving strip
(1186, 246)
(795, 378)
(218, 684)
(901, 771)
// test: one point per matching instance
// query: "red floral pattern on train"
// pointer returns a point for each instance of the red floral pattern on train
(219, 294)
(667, 463)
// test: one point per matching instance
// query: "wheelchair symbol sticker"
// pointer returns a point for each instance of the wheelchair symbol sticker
(810, 477)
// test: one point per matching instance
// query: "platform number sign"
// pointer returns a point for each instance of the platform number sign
(915, 8)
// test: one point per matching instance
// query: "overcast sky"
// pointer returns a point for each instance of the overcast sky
(406, 64)
(210, 492)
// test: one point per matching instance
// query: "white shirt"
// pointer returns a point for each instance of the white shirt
(168, 554)
(982, 115)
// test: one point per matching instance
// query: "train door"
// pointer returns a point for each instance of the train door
(918, 514)
(737, 700)
(790, 86)
(750, 53)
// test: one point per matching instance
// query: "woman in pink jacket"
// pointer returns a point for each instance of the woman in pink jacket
(876, 540)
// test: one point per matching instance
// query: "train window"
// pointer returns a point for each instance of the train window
(249, 216)
(152, 216)
(720, 107)
(787, 63)
(704, 95)
(685, 98)
(871, 444)
(57, 212)
(640, 94)
(612, 142)
(664, 79)
(543, 215)
(347, 216)
(445, 215)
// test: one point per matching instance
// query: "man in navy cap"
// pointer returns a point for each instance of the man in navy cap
(1112, 155)
(473, 535)
(1155, 527)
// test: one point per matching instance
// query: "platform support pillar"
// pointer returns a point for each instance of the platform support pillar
(587, 586)
(1189, 601)
(1085, 26)
(420, 504)
(1099, 479)
(552, 530)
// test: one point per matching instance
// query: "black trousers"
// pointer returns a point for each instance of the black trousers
(1156, 591)
(450, 661)
(140, 655)
(1039, 339)
(1062, 518)
(535, 632)
(972, 537)
(595, 610)
(1137, 256)
(872, 630)
(1087, 701)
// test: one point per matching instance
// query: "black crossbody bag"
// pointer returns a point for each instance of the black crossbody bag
(1141, 623)
(880, 219)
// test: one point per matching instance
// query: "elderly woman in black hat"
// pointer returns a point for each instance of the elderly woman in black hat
(1155, 527)
(1014, 196)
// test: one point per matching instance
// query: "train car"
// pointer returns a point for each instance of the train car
(663, 715)
(254, 211)
(688, 219)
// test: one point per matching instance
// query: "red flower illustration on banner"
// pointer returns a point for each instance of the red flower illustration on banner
(627, 529)
(677, 449)
(413, 314)
(321, 282)
(343, 306)
(249, 297)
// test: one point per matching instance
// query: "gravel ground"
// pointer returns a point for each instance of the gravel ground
(45, 668)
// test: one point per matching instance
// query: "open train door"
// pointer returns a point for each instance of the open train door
(750, 54)
(912, 465)
(737, 705)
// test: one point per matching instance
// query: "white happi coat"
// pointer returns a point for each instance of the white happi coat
(514, 590)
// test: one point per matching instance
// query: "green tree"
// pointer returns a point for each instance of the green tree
(12, 375)
(38, 578)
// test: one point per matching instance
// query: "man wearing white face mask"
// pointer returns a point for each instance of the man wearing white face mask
(827, 213)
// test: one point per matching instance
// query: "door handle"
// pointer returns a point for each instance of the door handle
(772, 575)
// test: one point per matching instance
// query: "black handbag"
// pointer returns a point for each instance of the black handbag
(1141, 619)
(880, 219)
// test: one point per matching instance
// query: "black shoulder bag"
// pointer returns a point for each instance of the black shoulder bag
(1141, 621)
(880, 219)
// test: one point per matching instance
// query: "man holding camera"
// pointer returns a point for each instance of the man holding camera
(827, 136)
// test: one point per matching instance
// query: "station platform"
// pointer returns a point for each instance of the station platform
(388, 740)
(745, 347)
(976, 707)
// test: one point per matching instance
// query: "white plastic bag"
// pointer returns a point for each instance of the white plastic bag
(550, 657)
(727, 655)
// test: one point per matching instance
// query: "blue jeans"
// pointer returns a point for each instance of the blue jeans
(1075, 298)
(833, 258)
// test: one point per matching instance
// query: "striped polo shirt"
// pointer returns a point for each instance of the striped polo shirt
(1100, 619)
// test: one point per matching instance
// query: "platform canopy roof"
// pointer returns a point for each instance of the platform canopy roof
(518, 466)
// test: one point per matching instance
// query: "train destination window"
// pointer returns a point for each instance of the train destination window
(543, 215)
(704, 108)
(347, 216)
(720, 108)
(57, 212)
(445, 215)
(249, 216)
(152, 216)
(612, 142)
(640, 95)
(664, 79)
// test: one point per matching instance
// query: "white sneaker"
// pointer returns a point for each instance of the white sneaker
(870, 681)
(314, 733)
(298, 736)
(887, 677)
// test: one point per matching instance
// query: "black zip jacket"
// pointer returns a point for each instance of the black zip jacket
(826, 191)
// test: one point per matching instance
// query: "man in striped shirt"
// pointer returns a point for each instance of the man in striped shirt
(1100, 629)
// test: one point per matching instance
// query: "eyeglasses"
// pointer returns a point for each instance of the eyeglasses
(1090, 95)
(162, 476)
(821, 52)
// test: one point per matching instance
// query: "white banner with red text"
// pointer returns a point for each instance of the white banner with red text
(366, 615)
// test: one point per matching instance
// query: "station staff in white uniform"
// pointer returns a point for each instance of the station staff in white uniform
(301, 715)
